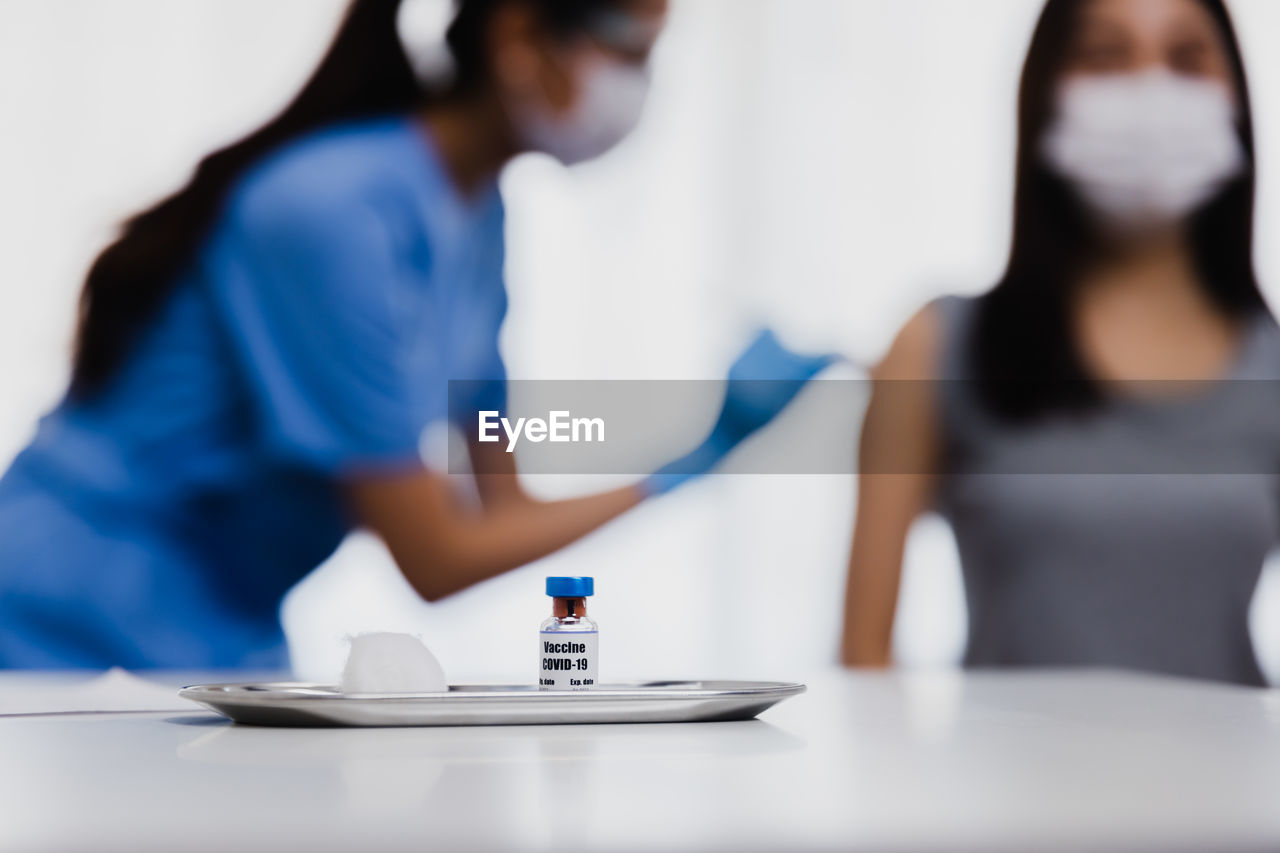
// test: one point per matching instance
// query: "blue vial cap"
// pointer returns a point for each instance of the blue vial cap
(570, 587)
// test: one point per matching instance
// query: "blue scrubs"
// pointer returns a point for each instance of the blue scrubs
(160, 523)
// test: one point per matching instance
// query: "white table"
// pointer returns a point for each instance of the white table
(1069, 760)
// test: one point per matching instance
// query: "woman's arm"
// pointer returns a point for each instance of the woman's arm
(897, 461)
(444, 544)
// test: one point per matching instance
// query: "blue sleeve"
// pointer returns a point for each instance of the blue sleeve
(484, 385)
(307, 286)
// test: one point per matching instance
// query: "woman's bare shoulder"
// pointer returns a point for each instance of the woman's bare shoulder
(915, 351)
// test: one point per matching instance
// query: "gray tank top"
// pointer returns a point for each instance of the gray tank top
(1132, 535)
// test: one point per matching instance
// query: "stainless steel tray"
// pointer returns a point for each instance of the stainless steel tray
(294, 704)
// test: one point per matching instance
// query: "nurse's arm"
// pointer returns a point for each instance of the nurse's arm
(897, 460)
(444, 544)
(495, 475)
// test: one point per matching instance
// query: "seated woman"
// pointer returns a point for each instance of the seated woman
(1104, 514)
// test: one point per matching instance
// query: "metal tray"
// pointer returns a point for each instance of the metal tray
(294, 704)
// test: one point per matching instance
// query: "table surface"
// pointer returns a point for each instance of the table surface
(1033, 760)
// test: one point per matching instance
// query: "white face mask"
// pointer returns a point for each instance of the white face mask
(610, 103)
(1145, 149)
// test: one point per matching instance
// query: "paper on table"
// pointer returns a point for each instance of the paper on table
(113, 691)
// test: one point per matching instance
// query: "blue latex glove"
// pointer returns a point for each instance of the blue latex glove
(762, 382)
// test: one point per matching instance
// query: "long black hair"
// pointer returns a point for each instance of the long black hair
(1024, 354)
(365, 73)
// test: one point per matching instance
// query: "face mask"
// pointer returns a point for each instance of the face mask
(1147, 149)
(610, 102)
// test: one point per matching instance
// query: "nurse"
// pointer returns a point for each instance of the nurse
(259, 354)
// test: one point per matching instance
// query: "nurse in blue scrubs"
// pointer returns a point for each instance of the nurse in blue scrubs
(259, 354)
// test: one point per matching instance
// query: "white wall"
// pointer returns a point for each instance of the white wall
(823, 165)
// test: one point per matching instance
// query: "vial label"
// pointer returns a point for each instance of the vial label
(567, 660)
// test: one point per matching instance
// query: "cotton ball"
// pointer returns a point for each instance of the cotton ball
(391, 663)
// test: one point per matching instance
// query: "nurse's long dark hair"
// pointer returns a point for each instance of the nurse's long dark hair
(1025, 358)
(365, 73)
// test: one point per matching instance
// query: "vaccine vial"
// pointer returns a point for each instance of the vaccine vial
(567, 642)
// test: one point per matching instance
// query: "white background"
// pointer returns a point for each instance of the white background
(825, 166)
